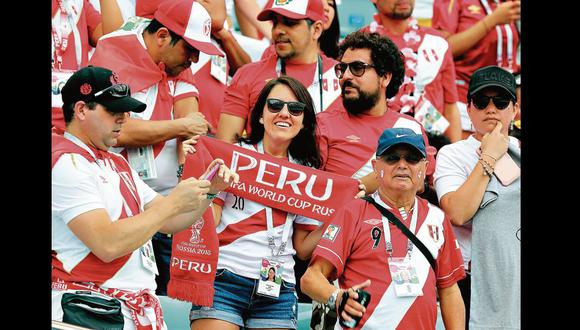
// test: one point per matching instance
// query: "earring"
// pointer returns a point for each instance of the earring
(261, 120)
(512, 125)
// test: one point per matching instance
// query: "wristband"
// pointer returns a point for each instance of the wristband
(211, 196)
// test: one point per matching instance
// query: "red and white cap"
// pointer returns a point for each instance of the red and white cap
(294, 9)
(191, 21)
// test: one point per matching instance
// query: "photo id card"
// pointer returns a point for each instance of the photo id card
(270, 278)
(430, 118)
(142, 160)
(404, 278)
(148, 258)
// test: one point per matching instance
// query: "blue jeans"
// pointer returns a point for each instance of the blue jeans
(235, 301)
(162, 250)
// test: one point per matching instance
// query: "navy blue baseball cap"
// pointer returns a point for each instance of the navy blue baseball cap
(395, 136)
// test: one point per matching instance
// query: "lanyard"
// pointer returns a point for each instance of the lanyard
(123, 177)
(270, 223)
(281, 70)
(61, 42)
(387, 231)
(509, 36)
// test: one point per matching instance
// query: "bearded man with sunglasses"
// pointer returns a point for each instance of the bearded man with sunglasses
(484, 211)
(370, 71)
(363, 249)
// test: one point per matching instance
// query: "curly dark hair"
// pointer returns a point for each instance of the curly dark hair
(304, 146)
(385, 55)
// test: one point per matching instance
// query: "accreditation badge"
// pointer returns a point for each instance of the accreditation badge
(431, 119)
(404, 278)
(218, 68)
(270, 278)
(148, 258)
(142, 160)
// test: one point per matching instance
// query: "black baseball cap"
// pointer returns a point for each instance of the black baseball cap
(492, 76)
(96, 84)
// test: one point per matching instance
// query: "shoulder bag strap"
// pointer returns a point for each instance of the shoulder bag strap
(393, 219)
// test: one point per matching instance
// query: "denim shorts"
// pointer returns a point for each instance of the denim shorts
(235, 301)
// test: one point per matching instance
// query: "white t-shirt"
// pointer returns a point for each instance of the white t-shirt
(79, 186)
(455, 162)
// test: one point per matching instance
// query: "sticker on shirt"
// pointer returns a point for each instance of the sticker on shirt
(331, 232)
(218, 68)
(270, 278)
(148, 258)
(404, 278)
(142, 160)
(431, 119)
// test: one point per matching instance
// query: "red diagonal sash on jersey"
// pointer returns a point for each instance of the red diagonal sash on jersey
(268, 180)
(276, 182)
(126, 57)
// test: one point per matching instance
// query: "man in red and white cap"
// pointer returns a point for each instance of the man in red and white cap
(297, 25)
(150, 55)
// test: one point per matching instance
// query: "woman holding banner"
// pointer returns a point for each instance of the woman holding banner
(255, 238)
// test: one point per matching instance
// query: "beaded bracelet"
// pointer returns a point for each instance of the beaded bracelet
(486, 167)
(488, 155)
(179, 171)
(211, 196)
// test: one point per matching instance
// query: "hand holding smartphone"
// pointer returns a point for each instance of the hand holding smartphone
(506, 170)
(212, 172)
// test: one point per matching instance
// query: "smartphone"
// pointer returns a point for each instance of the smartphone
(506, 170)
(212, 172)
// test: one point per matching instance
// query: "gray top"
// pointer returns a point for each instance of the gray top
(496, 257)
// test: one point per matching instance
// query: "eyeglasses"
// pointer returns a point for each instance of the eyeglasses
(394, 158)
(294, 108)
(117, 90)
(357, 68)
(481, 102)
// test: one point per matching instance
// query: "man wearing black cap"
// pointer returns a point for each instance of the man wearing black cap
(363, 249)
(485, 211)
(104, 215)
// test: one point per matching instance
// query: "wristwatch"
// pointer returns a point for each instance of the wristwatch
(331, 302)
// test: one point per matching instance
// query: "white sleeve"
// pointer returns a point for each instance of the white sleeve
(449, 173)
(183, 87)
(74, 187)
(300, 219)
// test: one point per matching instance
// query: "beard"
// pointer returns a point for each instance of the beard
(402, 15)
(364, 102)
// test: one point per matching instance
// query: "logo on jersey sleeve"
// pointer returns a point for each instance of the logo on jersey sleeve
(434, 232)
(331, 232)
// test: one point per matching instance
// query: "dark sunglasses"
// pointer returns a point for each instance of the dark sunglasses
(117, 90)
(394, 158)
(294, 108)
(481, 102)
(357, 68)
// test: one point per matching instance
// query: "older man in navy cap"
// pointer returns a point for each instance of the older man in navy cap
(363, 248)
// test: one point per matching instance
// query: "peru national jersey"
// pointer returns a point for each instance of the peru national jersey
(243, 239)
(79, 186)
(433, 69)
(124, 52)
(211, 74)
(348, 143)
(357, 255)
(243, 91)
(457, 16)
